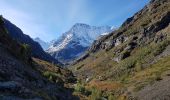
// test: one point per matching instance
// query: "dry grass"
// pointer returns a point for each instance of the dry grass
(104, 85)
(149, 75)
(54, 73)
(46, 66)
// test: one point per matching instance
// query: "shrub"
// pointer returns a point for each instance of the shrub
(125, 67)
(138, 87)
(160, 47)
(139, 66)
(137, 58)
(145, 22)
(143, 52)
(81, 89)
(53, 77)
(79, 67)
(128, 63)
(111, 97)
(96, 94)
(158, 76)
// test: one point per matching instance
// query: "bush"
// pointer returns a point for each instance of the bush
(111, 97)
(157, 76)
(160, 47)
(96, 94)
(143, 52)
(143, 55)
(53, 77)
(134, 62)
(137, 58)
(79, 67)
(139, 87)
(128, 63)
(81, 89)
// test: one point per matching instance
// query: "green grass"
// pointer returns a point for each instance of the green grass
(150, 75)
(160, 47)
(96, 94)
(144, 53)
(80, 88)
(111, 97)
(140, 59)
(53, 77)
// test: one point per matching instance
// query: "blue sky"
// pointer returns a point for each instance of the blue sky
(48, 19)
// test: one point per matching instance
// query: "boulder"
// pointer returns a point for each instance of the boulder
(108, 44)
(121, 56)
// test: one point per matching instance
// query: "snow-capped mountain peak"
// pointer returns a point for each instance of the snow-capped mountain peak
(79, 36)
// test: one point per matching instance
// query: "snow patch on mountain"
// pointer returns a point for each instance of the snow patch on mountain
(58, 46)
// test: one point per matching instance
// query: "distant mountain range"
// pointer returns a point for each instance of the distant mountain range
(44, 45)
(75, 42)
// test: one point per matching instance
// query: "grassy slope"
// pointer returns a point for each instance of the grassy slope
(54, 73)
(134, 72)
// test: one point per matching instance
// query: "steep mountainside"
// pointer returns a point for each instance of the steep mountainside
(18, 35)
(44, 45)
(24, 78)
(75, 42)
(121, 64)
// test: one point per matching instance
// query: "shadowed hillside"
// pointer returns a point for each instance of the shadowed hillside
(25, 78)
(37, 50)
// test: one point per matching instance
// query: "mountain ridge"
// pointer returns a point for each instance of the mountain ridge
(37, 51)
